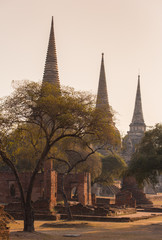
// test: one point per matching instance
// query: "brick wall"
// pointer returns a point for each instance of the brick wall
(44, 189)
(80, 181)
(9, 190)
(125, 198)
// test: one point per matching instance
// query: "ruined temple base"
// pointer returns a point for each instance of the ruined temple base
(131, 195)
(42, 210)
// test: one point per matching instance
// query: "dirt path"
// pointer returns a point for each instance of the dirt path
(139, 230)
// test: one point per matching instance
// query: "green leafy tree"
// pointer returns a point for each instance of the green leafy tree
(113, 167)
(93, 165)
(24, 145)
(72, 154)
(42, 118)
(146, 162)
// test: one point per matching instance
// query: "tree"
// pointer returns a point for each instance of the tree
(93, 165)
(23, 146)
(76, 156)
(146, 162)
(55, 116)
(112, 168)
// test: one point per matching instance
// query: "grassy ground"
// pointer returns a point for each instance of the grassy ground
(141, 230)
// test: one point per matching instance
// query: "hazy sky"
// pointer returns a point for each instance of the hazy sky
(129, 32)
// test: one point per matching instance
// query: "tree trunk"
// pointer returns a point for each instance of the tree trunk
(28, 218)
(67, 206)
(28, 209)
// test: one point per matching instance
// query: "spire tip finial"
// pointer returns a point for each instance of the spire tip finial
(52, 22)
(102, 57)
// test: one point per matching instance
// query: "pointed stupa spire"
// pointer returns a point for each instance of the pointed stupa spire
(138, 120)
(102, 96)
(51, 68)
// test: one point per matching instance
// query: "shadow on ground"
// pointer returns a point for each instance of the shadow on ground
(64, 225)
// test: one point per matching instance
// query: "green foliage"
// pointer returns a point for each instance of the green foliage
(112, 168)
(36, 116)
(24, 146)
(146, 163)
(92, 165)
(72, 153)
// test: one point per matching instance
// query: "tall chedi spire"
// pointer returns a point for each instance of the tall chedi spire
(102, 103)
(138, 124)
(137, 127)
(51, 68)
(130, 142)
(102, 96)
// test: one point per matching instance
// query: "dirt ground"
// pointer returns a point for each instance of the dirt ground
(142, 229)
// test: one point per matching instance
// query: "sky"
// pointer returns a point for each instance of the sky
(128, 32)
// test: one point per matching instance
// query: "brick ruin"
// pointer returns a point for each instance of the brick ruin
(4, 220)
(46, 189)
(77, 187)
(131, 195)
